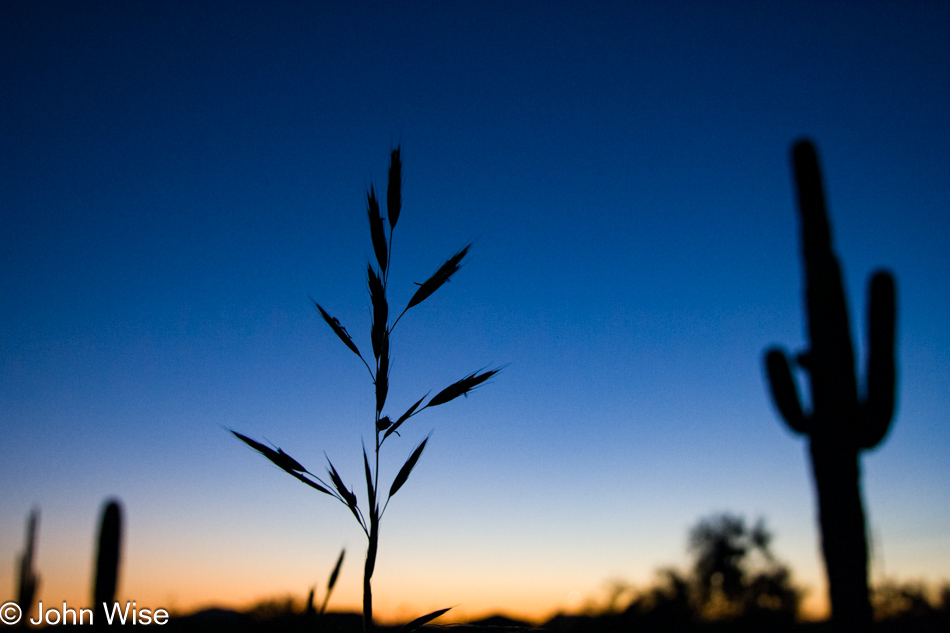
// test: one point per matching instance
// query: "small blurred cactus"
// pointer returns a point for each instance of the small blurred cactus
(107, 557)
(27, 579)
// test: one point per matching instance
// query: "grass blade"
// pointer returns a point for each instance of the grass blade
(257, 446)
(279, 457)
(405, 416)
(348, 497)
(333, 576)
(282, 460)
(415, 624)
(370, 490)
(312, 484)
(407, 468)
(382, 374)
(336, 571)
(394, 189)
(340, 331)
(462, 387)
(377, 295)
(442, 275)
(291, 463)
(376, 229)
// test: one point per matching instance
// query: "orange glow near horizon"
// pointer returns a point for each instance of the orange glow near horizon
(394, 600)
(388, 611)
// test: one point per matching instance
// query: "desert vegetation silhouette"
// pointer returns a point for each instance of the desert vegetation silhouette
(384, 426)
(108, 554)
(28, 580)
(734, 578)
(312, 611)
(735, 573)
(106, 572)
(840, 423)
(735, 583)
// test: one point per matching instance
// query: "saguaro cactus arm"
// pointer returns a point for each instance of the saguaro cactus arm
(785, 391)
(876, 410)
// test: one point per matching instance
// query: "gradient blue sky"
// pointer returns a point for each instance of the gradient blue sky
(178, 177)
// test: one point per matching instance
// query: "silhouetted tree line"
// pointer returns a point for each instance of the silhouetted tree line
(734, 579)
(736, 583)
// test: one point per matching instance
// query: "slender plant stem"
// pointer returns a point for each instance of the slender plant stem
(367, 576)
(380, 332)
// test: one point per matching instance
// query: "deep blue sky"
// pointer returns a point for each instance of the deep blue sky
(177, 178)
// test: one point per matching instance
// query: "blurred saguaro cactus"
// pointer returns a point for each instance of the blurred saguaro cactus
(841, 423)
(108, 556)
(27, 579)
(384, 426)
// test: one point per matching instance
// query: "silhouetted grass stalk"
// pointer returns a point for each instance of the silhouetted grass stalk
(384, 426)
(311, 612)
